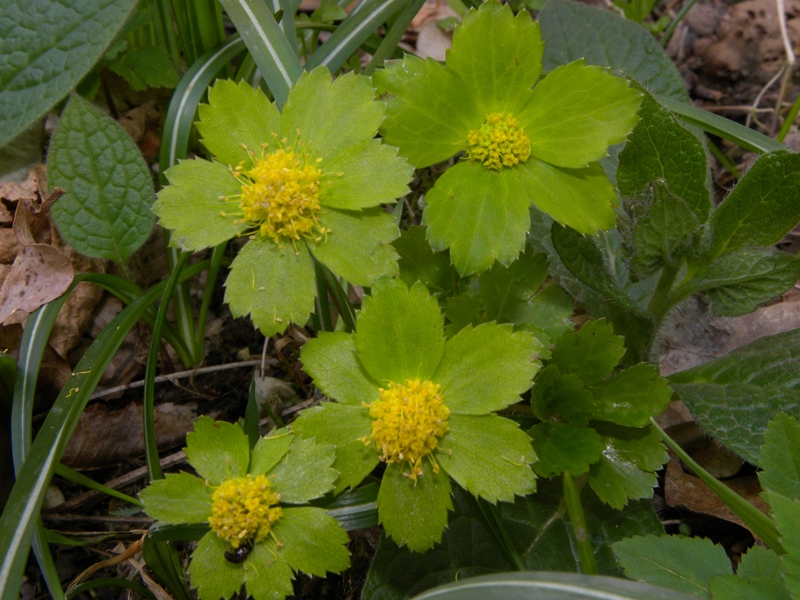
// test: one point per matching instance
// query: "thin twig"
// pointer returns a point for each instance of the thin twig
(763, 91)
(790, 60)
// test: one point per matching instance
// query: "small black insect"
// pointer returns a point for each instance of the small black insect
(238, 555)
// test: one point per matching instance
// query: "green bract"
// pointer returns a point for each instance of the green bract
(422, 404)
(305, 183)
(299, 538)
(521, 146)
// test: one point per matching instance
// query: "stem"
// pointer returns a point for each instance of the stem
(577, 518)
(662, 301)
(211, 280)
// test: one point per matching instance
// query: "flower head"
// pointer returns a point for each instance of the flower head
(422, 404)
(257, 534)
(302, 185)
(522, 142)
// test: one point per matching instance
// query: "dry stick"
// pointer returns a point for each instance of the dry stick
(763, 91)
(790, 60)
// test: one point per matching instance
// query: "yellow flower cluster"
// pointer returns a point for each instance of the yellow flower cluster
(500, 142)
(408, 421)
(243, 510)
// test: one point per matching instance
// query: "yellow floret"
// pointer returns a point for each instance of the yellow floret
(243, 510)
(500, 142)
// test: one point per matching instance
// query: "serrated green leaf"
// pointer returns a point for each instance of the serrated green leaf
(498, 56)
(418, 262)
(178, 498)
(760, 562)
(591, 353)
(399, 333)
(193, 206)
(342, 426)
(562, 448)
(332, 361)
(580, 198)
(314, 543)
(359, 244)
(46, 48)
(217, 450)
(489, 456)
(734, 397)
(269, 450)
(480, 214)
(786, 512)
(761, 209)
(146, 67)
(576, 113)
(780, 457)
(463, 310)
(572, 30)
(414, 513)
(548, 314)
(486, 368)
(236, 116)
(331, 116)
(631, 397)
(420, 119)
(562, 397)
(506, 291)
(274, 285)
(736, 587)
(212, 575)
(106, 209)
(269, 576)
(305, 472)
(679, 563)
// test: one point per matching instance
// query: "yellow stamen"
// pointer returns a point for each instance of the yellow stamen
(500, 142)
(243, 510)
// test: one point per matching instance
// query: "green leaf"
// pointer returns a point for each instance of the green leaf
(557, 396)
(581, 198)
(489, 456)
(46, 48)
(332, 361)
(342, 426)
(331, 116)
(760, 562)
(305, 472)
(480, 214)
(487, 368)
(780, 457)
(268, 575)
(414, 513)
(418, 262)
(236, 121)
(420, 118)
(507, 291)
(178, 498)
(734, 397)
(463, 310)
(736, 587)
(274, 285)
(631, 396)
(562, 448)
(269, 450)
(591, 353)
(399, 333)
(146, 67)
(572, 31)
(787, 516)
(213, 575)
(498, 56)
(314, 543)
(548, 315)
(105, 212)
(359, 245)
(627, 466)
(194, 207)
(576, 113)
(681, 563)
(761, 209)
(217, 450)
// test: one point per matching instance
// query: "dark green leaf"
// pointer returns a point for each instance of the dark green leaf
(787, 516)
(591, 353)
(736, 587)
(631, 397)
(561, 397)
(418, 262)
(562, 448)
(507, 291)
(146, 67)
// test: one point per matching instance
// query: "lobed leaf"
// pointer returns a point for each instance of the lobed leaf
(218, 450)
(591, 353)
(178, 498)
(304, 473)
(563, 448)
(780, 457)
(314, 543)
(418, 262)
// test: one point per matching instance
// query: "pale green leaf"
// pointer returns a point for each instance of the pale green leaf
(269, 450)
(489, 456)
(305, 472)
(194, 205)
(268, 576)
(146, 67)
(557, 396)
(399, 333)
(314, 543)
(480, 214)
(576, 113)
(218, 450)
(786, 512)
(236, 121)
(498, 56)
(507, 291)
(331, 116)
(213, 575)
(358, 246)
(591, 353)
(178, 498)
(274, 285)
(418, 262)
(414, 513)
(780, 457)
(737, 587)
(332, 361)
(487, 368)
(105, 211)
(562, 448)
(431, 112)
(364, 175)
(580, 198)
(681, 563)
(631, 397)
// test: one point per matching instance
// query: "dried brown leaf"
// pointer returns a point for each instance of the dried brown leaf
(39, 274)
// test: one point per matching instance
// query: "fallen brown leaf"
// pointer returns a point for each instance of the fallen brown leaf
(39, 274)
